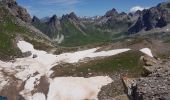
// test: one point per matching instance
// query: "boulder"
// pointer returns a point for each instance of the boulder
(34, 56)
(130, 86)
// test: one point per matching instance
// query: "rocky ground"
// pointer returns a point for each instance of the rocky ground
(155, 86)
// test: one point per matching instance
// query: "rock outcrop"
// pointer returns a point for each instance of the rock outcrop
(19, 16)
(155, 86)
(17, 10)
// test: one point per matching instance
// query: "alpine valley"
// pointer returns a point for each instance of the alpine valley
(117, 56)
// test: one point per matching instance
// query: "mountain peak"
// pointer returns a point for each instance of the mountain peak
(54, 18)
(35, 19)
(112, 12)
(72, 15)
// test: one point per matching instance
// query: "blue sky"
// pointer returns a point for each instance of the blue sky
(42, 8)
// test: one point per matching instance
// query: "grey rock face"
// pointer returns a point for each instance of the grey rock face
(17, 10)
(155, 17)
(58, 28)
(51, 28)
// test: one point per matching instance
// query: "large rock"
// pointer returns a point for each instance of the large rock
(148, 61)
(130, 84)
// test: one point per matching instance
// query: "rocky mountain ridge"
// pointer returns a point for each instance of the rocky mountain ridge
(155, 17)
(70, 25)
(112, 23)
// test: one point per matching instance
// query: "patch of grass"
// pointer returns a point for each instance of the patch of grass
(76, 38)
(6, 45)
(125, 61)
(8, 32)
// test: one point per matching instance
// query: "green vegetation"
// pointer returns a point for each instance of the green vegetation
(76, 37)
(8, 32)
(127, 63)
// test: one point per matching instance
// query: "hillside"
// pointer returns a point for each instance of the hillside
(12, 29)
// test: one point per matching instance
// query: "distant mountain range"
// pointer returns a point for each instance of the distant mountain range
(155, 17)
(71, 30)
(69, 26)
(108, 27)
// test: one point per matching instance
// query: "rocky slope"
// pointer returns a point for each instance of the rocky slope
(155, 85)
(115, 21)
(17, 10)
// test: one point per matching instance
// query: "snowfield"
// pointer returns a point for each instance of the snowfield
(76, 88)
(39, 96)
(147, 51)
(61, 88)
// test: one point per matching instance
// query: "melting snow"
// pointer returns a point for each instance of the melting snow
(76, 88)
(39, 96)
(25, 68)
(80, 55)
(147, 51)
(31, 82)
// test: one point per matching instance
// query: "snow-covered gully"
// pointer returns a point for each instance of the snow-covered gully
(61, 88)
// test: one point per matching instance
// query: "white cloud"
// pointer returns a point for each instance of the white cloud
(60, 2)
(136, 8)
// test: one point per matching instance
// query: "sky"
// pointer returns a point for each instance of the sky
(44, 8)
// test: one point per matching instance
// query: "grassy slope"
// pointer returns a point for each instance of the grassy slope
(8, 32)
(77, 38)
(128, 63)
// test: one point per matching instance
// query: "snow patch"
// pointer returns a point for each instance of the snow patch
(147, 51)
(59, 38)
(25, 46)
(77, 88)
(39, 96)
(31, 82)
(50, 60)
(80, 55)
(25, 68)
